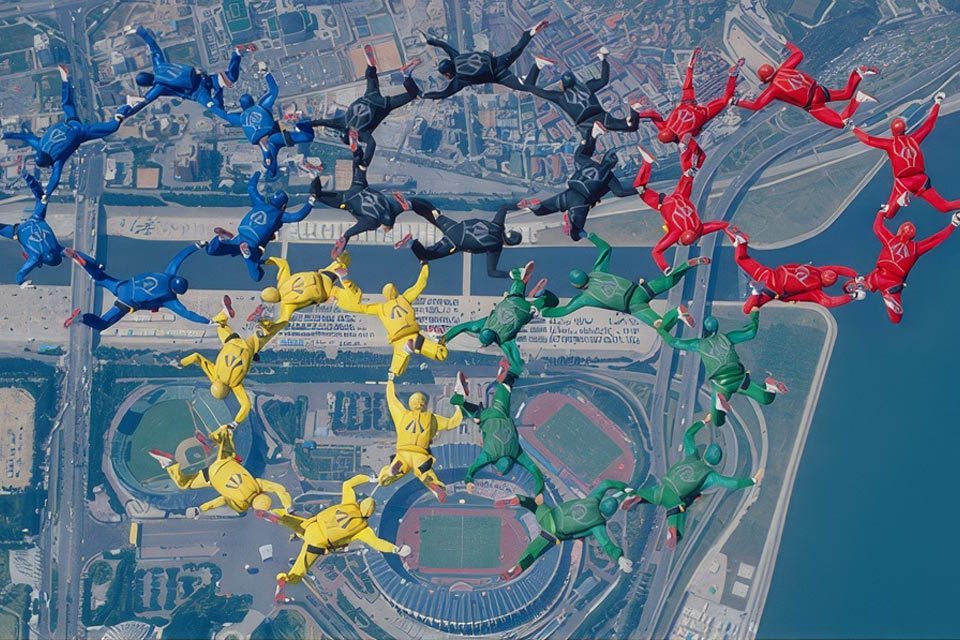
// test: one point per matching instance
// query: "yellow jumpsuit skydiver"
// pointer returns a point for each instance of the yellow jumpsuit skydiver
(416, 428)
(233, 362)
(237, 487)
(399, 320)
(296, 291)
(334, 529)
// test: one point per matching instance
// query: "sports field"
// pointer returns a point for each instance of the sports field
(237, 16)
(459, 542)
(579, 444)
(165, 426)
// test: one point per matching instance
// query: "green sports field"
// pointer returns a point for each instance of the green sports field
(579, 444)
(237, 16)
(163, 426)
(459, 542)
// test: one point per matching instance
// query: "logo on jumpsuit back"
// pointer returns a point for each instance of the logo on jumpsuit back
(578, 96)
(790, 80)
(38, 235)
(258, 218)
(802, 274)
(414, 426)
(469, 64)
(396, 311)
(370, 203)
(899, 250)
(686, 474)
(906, 148)
(58, 135)
(360, 115)
(478, 231)
(234, 481)
(683, 210)
(148, 284)
(252, 117)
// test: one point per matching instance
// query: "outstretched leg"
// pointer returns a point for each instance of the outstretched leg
(441, 249)
(67, 101)
(369, 146)
(848, 91)
(373, 82)
(110, 318)
(687, 91)
(757, 392)
(827, 116)
(577, 217)
(399, 100)
(937, 201)
(552, 204)
(667, 241)
(503, 62)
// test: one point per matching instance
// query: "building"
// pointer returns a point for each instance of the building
(148, 178)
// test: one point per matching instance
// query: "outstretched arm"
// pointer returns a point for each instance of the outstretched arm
(297, 216)
(493, 265)
(599, 83)
(929, 243)
(727, 482)
(396, 408)
(347, 493)
(607, 485)
(177, 307)
(414, 292)
(452, 87)
(28, 266)
(369, 538)
(54, 180)
(283, 267)
(216, 503)
(677, 343)
(871, 141)
(603, 258)
(603, 539)
(748, 331)
(244, 400)
(766, 97)
(446, 424)
(924, 129)
(795, 57)
(578, 301)
(442, 44)
(585, 149)
(253, 191)
(230, 118)
(273, 91)
(278, 490)
(880, 228)
(689, 437)
(155, 51)
(178, 259)
(471, 326)
(352, 302)
(35, 187)
(618, 189)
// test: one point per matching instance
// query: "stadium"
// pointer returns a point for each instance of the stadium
(169, 417)
(451, 580)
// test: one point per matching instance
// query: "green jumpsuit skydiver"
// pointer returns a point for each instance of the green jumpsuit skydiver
(604, 290)
(501, 443)
(572, 520)
(507, 319)
(726, 373)
(685, 480)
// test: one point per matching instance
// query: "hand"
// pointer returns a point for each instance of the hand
(625, 564)
(539, 498)
(403, 551)
(758, 476)
(43, 198)
(370, 478)
(938, 98)
(471, 487)
(603, 53)
(233, 424)
(955, 219)
(316, 188)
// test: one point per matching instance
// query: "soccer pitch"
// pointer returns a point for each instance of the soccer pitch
(579, 444)
(163, 426)
(459, 542)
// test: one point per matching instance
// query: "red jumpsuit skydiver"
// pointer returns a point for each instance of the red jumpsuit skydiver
(789, 85)
(681, 221)
(898, 254)
(789, 282)
(906, 159)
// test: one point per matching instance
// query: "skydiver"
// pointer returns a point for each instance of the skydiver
(296, 291)
(399, 320)
(416, 427)
(371, 208)
(507, 319)
(479, 67)
(475, 235)
(36, 239)
(589, 183)
(170, 79)
(601, 289)
(259, 226)
(788, 84)
(573, 520)
(906, 159)
(690, 117)
(61, 140)
(898, 255)
(261, 128)
(501, 442)
(234, 360)
(579, 99)
(682, 223)
(237, 487)
(685, 480)
(725, 371)
(148, 291)
(789, 282)
(366, 113)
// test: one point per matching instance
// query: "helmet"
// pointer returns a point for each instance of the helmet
(219, 390)
(447, 68)
(609, 506)
(766, 72)
(710, 326)
(279, 199)
(828, 277)
(367, 507)
(568, 80)
(246, 101)
(666, 136)
(898, 126)
(418, 401)
(504, 464)
(270, 294)
(578, 278)
(389, 291)
(907, 230)
(262, 502)
(144, 79)
(511, 238)
(43, 159)
(688, 237)
(178, 284)
(487, 337)
(52, 258)
(713, 455)
(610, 158)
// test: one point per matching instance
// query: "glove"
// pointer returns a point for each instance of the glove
(233, 424)
(625, 564)
(758, 476)
(471, 487)
(859, 294)
(403, 551)
(955, 219)
(316, 188)
(938, 98)
(603, 53)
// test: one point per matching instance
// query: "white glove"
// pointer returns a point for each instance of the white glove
(938, 98)
(625, 565)
(859, 294)
(955, 219)
(403, 551)
(603, 53)
(758, 476)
